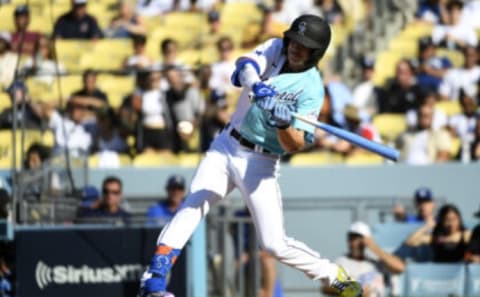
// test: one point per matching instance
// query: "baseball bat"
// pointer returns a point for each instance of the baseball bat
(375, 147)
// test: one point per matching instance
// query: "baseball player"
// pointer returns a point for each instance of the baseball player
(282, 77)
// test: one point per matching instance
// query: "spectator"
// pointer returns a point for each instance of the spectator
(259, 33)
(209, 37)
(458, 78)
(42, 65)
(402, 93)
(156, 125)
(367, 270)
(126, 23)
(139, 59)
(215, 118)
(449, 238)
(8, 61)
(424, 145)
(474, 147)
(332, 11)
(28, 113)
(186, 107)
(153, 8)
(163, 211)
(463, 125)
(428, 98)
(35, 157)
(432, 68)
(340, 95)
(77, 23)
(23, 38)
(108, 137)
(473, 252)
(454, 34)
(68, 129)
(109, 208)
(432, 11)
(90, 200)
(363, 94)
(425, 207)
(353, 123)
(169, 51)
(223, 69)
(91, 99)
(324, 140)
(5, 200)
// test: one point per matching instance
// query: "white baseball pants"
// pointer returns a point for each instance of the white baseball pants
(227, 165)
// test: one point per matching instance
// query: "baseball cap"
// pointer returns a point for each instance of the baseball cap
(21, 10)
(423, 194)
(367, 63)
(90, 194)
(175, 181)
(360, 228)
(219, 98)
(213, 16)
(425, 42)
(79, 2)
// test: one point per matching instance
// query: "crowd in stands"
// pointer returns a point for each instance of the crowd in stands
(177, 104)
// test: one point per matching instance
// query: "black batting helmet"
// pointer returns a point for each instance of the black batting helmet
(312, 32)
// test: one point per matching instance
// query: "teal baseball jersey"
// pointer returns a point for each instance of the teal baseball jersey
(302, 90)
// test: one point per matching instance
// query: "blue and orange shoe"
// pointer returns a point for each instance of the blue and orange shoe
(154, 280)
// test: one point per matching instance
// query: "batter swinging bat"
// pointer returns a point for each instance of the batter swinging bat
(375, 147)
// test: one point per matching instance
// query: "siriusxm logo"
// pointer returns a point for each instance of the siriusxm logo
(60, 274)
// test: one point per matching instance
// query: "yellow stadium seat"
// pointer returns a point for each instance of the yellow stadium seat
(456, 57)
(36, 88)
(153, 159)
(186, 20)
(390, 126)
(406, 46)
(55, 11)
(116, 47)
(242, 12)
(116, 84)
(115, 99)
(455, 146)
(450, 108)
(386, 63)
(48, 138)
(6, 146)
(69, 84)
(100, 62)
(189, 159)
(41, 24)
(364, 158)
(94, 160)
(190, 57)
(5, 101)
(416, 30)
(316, 158)
(70, 51)
(6, 15)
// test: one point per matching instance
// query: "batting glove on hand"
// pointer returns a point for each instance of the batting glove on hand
(266, 103)
(282, 115)
(261, 90)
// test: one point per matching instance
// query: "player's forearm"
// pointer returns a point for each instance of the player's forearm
(291, 139)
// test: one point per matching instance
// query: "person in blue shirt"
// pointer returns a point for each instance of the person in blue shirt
(163, 211)
(425, 206)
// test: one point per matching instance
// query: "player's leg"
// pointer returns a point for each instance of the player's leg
(264, 201)
(210, 184)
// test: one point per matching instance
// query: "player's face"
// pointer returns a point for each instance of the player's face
(297, 55)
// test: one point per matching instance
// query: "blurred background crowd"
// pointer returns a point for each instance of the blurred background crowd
(147, 82)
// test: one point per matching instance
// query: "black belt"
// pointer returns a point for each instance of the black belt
(246, 143)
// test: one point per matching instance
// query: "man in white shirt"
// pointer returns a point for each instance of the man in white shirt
(455, 34)
(425, 145)
(463, 125)
(363, 95)
(8, 61)
(470, 14)
(223, 69)
(367, 262)
(461, 78)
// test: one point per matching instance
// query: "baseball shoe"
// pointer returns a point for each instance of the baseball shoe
(345, 286)
(153, 286)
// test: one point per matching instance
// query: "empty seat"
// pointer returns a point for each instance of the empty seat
(435, 280)
(364, 158)
(390, 126)
(153, 159)
(450, 108)
(5, 101)
(385, 66)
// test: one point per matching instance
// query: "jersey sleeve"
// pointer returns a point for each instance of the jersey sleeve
(263, 54)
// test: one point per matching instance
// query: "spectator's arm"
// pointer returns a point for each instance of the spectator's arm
(393, 263)
(421, 236)
(139, 28)
(87, 101)
(443, 143)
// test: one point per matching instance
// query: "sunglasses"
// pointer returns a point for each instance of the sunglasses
(114, 192)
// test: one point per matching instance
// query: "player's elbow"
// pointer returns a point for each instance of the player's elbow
(292, 147)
